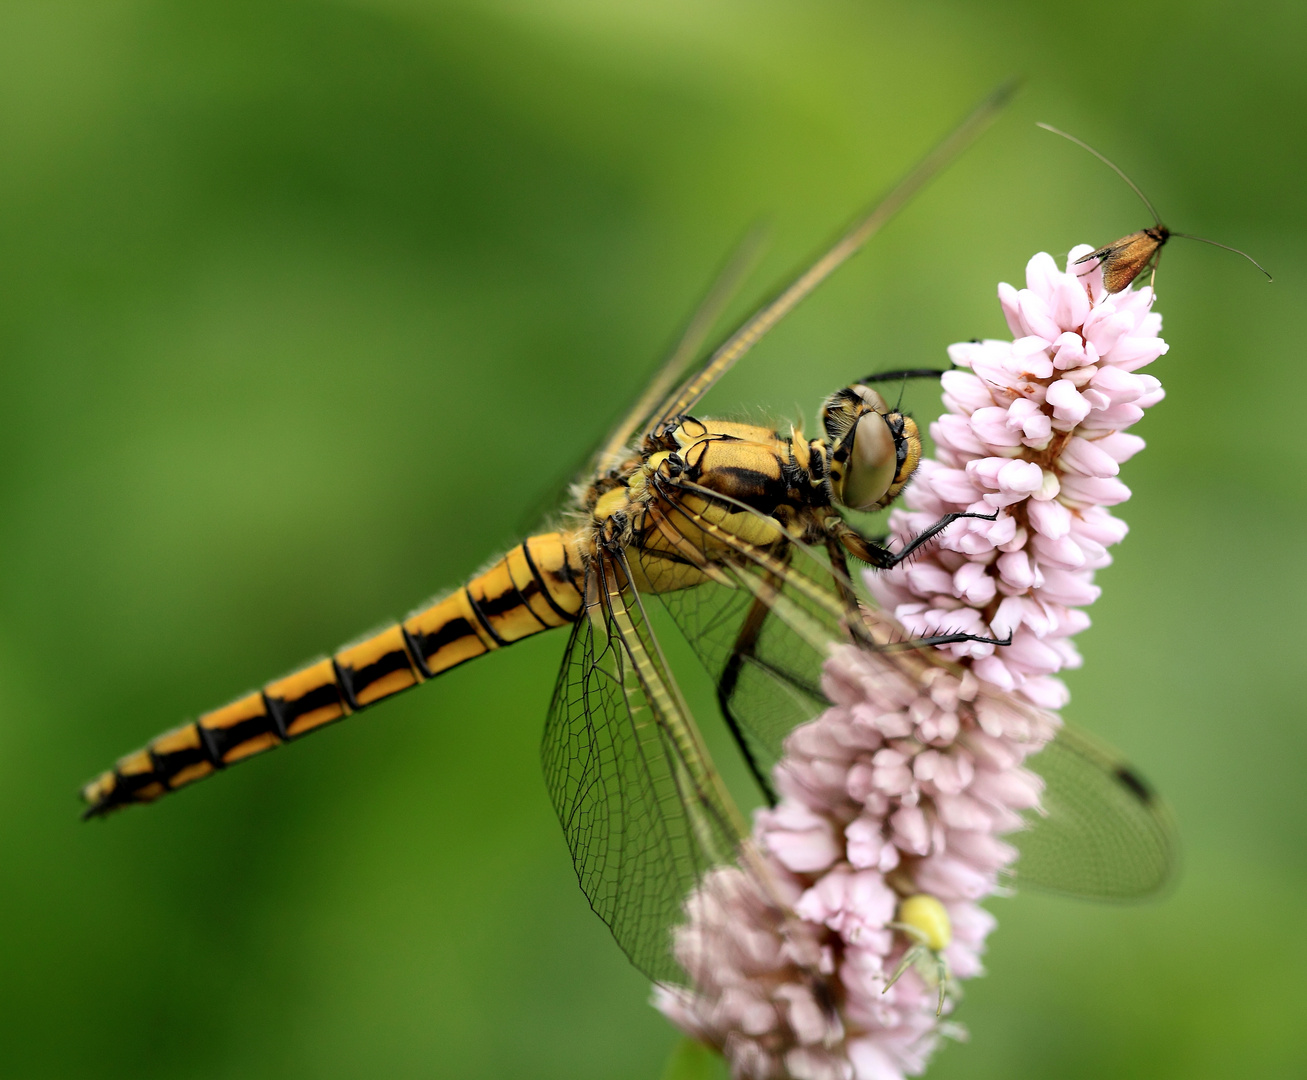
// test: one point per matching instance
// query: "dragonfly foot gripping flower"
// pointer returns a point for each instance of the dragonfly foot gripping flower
(898, 805)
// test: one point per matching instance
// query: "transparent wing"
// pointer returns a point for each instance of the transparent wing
(762, 610)
(1103, 834)
(613, 449)
(862, 230)
(728, 281)
(642, 807)
(768, 677)
(761, 618)
(1106, 834)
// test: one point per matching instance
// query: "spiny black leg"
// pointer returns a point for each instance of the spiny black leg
(932, 531)
(877, 554)
(745, 642)
(842, 578)
(947, 639)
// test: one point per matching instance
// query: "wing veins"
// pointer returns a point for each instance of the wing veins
(653, 671)
(642, 807)
(710, 309)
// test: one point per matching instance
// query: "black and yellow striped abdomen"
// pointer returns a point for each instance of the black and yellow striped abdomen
(535, 587)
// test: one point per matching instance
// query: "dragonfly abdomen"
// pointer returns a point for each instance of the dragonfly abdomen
(531, 589)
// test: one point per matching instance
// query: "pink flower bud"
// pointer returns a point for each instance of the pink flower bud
(955, 485)
(1050, 518)
(1103, 330)
(1067, 403)
(1120, 446)
(1100, 490)
(1016, 569)
(1030, 358)
(1011, 304)
(801, 839)
(1046, 692)
(1020, 477)
(1087, 458)
(1062, 552)
(955, 433)
(1035, 314)
(1096, 523)
(967, 391)
(1114, 417)
(973, 584)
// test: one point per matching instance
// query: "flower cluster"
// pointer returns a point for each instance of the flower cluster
(1036, 428)
(904, 787)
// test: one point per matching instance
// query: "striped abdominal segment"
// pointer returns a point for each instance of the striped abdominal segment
(537, 586)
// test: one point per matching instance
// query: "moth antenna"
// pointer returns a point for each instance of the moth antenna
(1113, 166)
(902, 387)
(1215, 243)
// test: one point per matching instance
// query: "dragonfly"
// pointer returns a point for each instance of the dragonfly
(741, 532)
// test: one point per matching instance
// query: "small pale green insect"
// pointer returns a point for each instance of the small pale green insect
(926, 915)
(924, 921)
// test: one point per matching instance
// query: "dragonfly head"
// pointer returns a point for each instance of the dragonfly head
(874, 450)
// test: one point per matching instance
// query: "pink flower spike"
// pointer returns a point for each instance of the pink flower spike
(909, 781)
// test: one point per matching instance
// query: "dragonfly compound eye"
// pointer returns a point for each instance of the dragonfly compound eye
(872, 463)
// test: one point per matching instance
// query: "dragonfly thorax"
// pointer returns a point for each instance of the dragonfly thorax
(748, 464)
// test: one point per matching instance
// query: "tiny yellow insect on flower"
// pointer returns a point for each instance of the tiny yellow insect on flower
(926, 915)
(925, 922)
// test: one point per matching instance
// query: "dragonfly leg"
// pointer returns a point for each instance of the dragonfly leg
(844, 586)
(745, 642)
(903, 373)
(946, 639)
(841, 537)
(875, 553)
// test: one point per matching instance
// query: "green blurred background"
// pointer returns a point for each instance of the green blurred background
(306, 307)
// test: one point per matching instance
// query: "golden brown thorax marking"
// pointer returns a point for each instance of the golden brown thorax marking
(746, 462)
(535, 587)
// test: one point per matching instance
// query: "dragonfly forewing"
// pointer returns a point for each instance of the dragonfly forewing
(641, 805)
